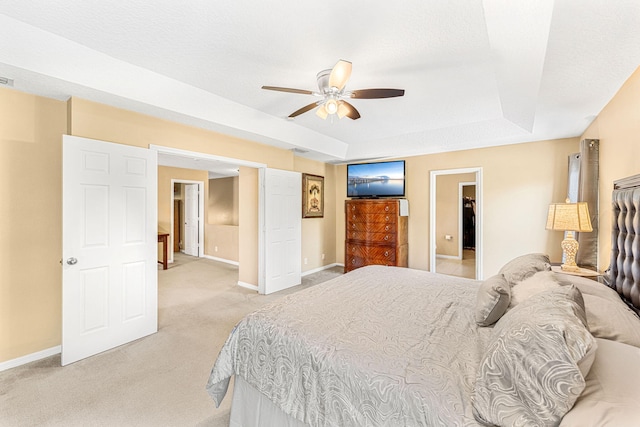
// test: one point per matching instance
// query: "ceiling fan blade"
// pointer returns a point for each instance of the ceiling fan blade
(340, 74)
(376, 93)
(288, 89)
(346, 109)
(303, 110)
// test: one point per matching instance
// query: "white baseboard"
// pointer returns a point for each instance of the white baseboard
(449, 257)
(248, 286)
(226, 261)
(324, 267)
(14, 363)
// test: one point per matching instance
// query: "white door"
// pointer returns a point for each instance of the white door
(281, 216)
(191, 220)
(109, 226)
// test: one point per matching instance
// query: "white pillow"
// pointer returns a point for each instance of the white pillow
(538, 282)
(608, 316)
(612, 390)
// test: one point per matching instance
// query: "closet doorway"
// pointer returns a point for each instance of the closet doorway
(455, 222)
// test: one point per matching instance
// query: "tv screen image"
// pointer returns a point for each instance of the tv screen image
(381, 179)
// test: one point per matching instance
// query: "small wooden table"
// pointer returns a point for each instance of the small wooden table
(164, 239)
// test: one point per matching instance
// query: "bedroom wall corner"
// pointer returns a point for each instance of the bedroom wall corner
(618, 129)
(30, 223)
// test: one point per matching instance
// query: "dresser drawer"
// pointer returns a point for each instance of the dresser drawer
(354, 262)
(376, 207)
(382, 255)
(369, 253)
(385, 218)
(356, 250)
(370, 227)
(373, 237)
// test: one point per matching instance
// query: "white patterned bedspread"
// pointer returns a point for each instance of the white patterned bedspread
(378, 346)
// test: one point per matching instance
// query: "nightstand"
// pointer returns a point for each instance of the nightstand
(592, 274)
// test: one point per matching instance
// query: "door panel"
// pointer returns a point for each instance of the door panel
(191, 220)
(282, 224)
(109, 274)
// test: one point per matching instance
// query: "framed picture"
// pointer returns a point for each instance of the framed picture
(312, 196)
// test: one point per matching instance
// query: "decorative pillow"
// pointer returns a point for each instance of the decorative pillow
(524, 266)
(612, 321)
(538, 282)
(608, 316)
(534, 366)
(493, 299)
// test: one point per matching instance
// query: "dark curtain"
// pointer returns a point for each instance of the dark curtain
(588, 192)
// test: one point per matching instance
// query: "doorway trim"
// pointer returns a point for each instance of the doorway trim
(432, 215)
(204, 156)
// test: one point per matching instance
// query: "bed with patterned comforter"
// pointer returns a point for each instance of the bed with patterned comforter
(388, 346)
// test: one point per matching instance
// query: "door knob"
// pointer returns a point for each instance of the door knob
(71, 261)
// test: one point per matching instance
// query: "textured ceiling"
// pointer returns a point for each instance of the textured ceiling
(476, 73)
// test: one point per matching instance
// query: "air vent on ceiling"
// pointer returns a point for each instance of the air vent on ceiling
(299, 150)
(6, 81)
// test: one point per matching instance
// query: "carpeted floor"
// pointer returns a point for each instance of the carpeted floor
(155, 381)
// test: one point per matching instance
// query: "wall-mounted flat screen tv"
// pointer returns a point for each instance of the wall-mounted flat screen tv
(371, 180)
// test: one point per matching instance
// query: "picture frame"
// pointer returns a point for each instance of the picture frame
(312, 196)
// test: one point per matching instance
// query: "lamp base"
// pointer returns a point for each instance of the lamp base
(573, 268)
(569, 250)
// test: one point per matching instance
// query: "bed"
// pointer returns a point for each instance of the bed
(389, 346)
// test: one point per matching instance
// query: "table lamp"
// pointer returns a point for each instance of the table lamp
(569, 217)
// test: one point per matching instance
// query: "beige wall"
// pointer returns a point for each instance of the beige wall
(318, 234)
(31, 131)
(221, 231)
(248, 218)
(618, 129)
(448, 212)
(223, 201)
(519, 182)
(221, 241)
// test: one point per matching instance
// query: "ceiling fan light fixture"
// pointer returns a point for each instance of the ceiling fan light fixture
(322, 112)
(331, 106)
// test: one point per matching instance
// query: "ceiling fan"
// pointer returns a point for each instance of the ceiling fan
(331, 85)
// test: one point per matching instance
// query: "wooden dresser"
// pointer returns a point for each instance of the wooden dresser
(376, 233)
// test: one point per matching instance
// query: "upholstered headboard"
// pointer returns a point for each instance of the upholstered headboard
(624, 271)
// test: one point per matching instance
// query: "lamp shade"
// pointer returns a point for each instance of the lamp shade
(569, 217)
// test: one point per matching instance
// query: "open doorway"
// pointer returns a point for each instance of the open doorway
(455, 222)
(187, 217)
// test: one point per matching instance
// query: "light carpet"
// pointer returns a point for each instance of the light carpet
(155, 381)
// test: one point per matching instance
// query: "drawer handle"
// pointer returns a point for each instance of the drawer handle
(386, 208)
(386, 253)
(386, 228)
(353, 261)
(386, 237)
(354, 217)
(386, 218)
(353, 226)
(353, 208)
